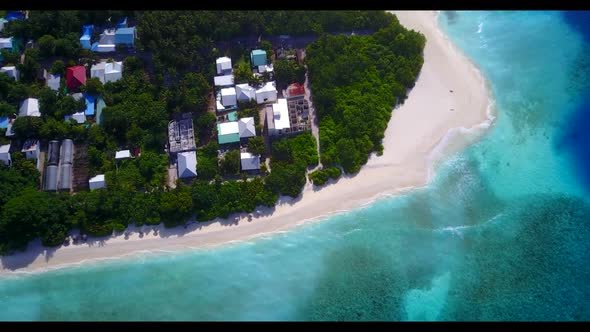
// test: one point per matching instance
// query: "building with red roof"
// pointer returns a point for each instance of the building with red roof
(75, 77)
(295, 90)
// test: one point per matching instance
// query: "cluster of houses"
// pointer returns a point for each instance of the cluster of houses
(109, 38)
(58, 171)
(282, 116)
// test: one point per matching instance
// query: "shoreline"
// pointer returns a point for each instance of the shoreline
(413, 148)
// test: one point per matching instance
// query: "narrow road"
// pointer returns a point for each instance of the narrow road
(315, 129)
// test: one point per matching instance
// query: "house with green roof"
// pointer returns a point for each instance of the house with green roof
(228, 132)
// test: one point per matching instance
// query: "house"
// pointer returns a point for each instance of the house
(31, 149)
(258, 58)
(181, 135)
(97, 182)
(89, 111)
(224, 81)
(245, 92)
(80, 117)
(294, 91)
(53, 81)
(11, 71)
(75, 77)
(30, 107)
(228, 132)
(223, 66)
(113, 71)
(97, 71)
(228, 97)
(249, 161)
(187, 164)
(125, 36)
(5, 154)
(247, 127)
(4, 121)
(277, 118)
(106, 43)
(15, 15)
(268, 93)
(85, 40)
(123, 154)
(6, 43)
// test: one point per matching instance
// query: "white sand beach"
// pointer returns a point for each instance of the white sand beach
(432, 123)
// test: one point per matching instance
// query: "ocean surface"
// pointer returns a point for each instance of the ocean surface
(501, 233)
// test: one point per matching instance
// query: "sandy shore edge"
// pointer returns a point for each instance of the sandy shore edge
(432, 124)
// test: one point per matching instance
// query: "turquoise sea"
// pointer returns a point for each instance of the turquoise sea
(502, 232)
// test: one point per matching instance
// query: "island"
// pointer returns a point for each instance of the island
(254, 116)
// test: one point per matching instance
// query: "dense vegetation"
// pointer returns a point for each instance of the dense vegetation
(192, 34)
(320, 176)
(356, 82)
(289, 161)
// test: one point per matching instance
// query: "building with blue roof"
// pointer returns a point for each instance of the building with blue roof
(125, 36)
(122, 23)
(85, 40)
(258, 58)
(11, 16)
(4, 122)
(89, 105)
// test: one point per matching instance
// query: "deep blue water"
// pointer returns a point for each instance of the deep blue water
(577, 137)
(502, 232)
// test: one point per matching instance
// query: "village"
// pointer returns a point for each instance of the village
(63, 164)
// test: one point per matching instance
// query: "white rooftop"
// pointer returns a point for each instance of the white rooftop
(228, 92)
(97, 182)
(30, 107)
(249, 161)
(6, 42)
(53, 81)
(122, 154)
(227, 128)
(224, 80)
(223, 64)
(269, 86)
(247, 128)
(187, 164)
(97, 178)
(281, 114)
(80, 117)
(4, 148)
(10, 71)
(245, 92)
